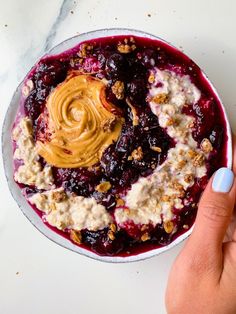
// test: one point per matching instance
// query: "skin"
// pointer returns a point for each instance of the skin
(203, 277)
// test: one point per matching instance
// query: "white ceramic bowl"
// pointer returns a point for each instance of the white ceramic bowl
(8, 158)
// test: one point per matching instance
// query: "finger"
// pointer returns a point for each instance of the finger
(234, 169)
(215, 211)
(234, 153)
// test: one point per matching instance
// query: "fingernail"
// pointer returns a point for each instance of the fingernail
(223, 180)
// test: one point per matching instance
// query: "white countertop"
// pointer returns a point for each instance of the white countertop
(36, 275)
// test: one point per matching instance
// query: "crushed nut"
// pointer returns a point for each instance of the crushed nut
(198, 160)
(75, 61)
(118, 89)
(151, 78)
(145, 237)
(125, 48)
(103, 187)
(165, 198)
(188, 178)
(206, 146)
(108, 125)
(177, 186)
(156, 149)
(161, 99)
(168, 226)
(186, 227)
(181, 164)
(113, 227)
(120, 202)
(191, 154)
(59, 196)
(84, 49)
(137, 154)
(76, 236)
(170, 122)
(111, 235)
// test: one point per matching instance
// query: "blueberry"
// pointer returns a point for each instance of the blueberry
(116, 66)
(50, 73)
(148, 57)
(33, 106)
(216, 136)
(101, 244)
(137, 91)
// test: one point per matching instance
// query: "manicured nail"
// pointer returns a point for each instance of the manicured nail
(223, 180)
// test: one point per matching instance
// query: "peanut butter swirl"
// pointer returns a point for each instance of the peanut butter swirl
(81, 122)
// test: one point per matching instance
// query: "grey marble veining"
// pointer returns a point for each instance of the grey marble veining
(66, 8)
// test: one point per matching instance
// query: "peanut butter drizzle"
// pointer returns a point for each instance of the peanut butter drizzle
(82, 123)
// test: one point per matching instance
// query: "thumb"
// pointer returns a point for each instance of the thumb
(215, 211)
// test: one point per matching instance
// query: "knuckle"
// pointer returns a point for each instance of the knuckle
(215, 212)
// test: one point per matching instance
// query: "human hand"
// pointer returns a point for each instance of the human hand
(203, 277)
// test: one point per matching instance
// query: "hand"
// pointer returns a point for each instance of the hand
(203, 277)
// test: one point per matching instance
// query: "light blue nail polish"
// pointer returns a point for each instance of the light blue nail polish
(223, 180)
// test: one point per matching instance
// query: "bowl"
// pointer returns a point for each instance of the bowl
(8, 155)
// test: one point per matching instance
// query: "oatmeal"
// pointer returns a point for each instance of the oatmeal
(72, 212)
(114, 142)
(31, 172)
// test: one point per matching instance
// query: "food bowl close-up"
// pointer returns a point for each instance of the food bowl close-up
(109, 142)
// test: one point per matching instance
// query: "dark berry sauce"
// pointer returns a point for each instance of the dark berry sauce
(102, 59)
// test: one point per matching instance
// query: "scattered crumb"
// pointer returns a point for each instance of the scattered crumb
(145, 237)
(125, 48)
(103, 187)
(168, 226)
(118, 89)
(137, 154)
(76, 236)
(120, 202)
(111, 235)
(161, 99)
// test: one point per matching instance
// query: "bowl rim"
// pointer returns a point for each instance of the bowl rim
(7, 162)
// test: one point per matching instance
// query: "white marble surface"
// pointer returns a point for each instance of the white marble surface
(36, 275)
